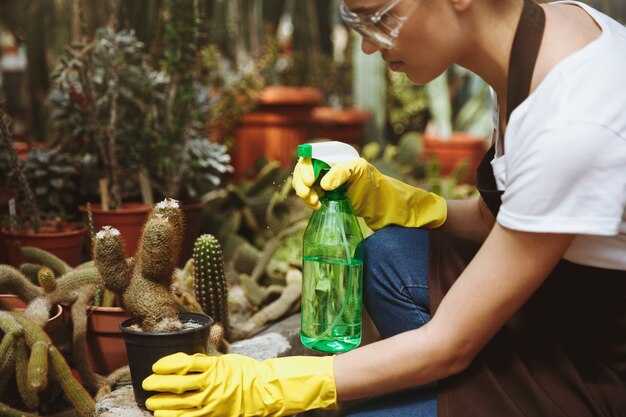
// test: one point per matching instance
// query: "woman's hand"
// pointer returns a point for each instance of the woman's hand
(379, 199)
(236, 385)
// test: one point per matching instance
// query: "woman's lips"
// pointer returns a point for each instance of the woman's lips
(395, 65)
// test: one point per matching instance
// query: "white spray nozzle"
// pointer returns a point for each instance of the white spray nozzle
(331, 152)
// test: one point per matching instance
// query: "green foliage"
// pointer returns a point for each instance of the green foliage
(100, 96)
(404, 162)
(407, 104)
(52, 175)
(459, 100)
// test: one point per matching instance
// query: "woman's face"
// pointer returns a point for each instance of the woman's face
(427, 44)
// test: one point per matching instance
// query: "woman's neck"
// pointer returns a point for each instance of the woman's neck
(489, 50)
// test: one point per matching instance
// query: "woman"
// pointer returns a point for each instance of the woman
(513, 305)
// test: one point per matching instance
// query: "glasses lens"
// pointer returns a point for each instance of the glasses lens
(382, 30)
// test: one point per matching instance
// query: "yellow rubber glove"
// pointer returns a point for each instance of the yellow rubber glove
(379, 199)
(236, 385)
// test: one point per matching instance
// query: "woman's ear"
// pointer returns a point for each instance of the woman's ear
(461, 5)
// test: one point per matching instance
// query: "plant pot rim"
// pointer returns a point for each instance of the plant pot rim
(104, 309)
(346, 115)
(290, 95)
(189, 316)
(56, 306)
(127, 208)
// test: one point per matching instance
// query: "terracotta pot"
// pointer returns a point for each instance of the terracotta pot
(345, 125)
(129, 220)
(193, 223)
(105, 343)
(17, 304)
(66, 244)
(281, 121)
(461, 147)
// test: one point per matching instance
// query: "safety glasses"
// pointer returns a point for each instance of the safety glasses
(381, 28)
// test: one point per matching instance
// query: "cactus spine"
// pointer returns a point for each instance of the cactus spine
(144, 287)
(209, 279)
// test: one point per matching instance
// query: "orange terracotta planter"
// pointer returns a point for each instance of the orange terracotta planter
(193, 223)
(345, 125)
(129, 220)
(105, 343)
(461, 147)
(17, 304)
(281, 121)
(67, 244)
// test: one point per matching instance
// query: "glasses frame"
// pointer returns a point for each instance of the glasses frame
(369, 26)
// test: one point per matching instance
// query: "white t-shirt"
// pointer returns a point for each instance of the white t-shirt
(564, 163)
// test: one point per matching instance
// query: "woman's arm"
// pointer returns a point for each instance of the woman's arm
(457, 224)
(508, 268)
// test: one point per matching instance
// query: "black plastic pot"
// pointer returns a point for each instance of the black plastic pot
(144, 348)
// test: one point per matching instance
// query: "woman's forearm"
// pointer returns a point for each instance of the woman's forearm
(468, 219)
(373, 370)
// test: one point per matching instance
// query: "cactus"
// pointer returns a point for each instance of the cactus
(46, 279)
(46, 258)
(209, 279)
(32, 350)
(144, 287)
(14, 282)
(92, 380)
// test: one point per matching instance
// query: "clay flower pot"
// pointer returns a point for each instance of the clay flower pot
(145, 348)
(345, 125)
(461, 147)
(281, 121)
(105, 343)
(128, 220)
(67, 243)
(17, 304)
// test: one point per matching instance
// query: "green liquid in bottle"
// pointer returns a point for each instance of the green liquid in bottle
(332, 271)
(331, 304)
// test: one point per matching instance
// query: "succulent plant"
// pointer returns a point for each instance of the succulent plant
(208, 162)
(52, 176)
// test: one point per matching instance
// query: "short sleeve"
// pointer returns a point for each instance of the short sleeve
(568, 179)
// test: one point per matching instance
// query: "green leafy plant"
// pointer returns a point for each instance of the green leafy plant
(52, 175)
(100, 96)
(407, 104)
(459, 100)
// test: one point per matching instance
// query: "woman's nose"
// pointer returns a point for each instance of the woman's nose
(368, 47)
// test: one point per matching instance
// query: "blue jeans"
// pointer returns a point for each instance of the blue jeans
(395, 293)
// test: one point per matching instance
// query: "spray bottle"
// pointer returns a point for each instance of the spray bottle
(332, 265)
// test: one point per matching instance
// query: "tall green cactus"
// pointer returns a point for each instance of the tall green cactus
(210, 280)
(144, 285)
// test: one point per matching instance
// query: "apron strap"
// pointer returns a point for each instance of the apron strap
(522, 62)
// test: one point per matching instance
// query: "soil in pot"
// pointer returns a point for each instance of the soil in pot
(145, 348)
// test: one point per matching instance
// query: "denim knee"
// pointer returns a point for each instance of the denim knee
(396, 278)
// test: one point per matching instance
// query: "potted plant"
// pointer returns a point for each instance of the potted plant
(461, 120)
(100, 95)
(190, 102)
(156, 328)
(58, 236)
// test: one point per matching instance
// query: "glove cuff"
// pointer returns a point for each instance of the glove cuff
(303, 382)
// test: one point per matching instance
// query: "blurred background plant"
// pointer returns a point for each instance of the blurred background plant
(459, 101)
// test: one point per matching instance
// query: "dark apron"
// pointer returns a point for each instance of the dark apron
(564, 352)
